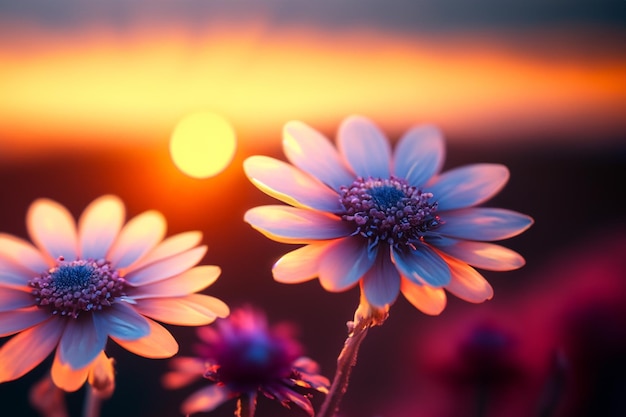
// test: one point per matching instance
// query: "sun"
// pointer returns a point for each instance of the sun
(203, 144)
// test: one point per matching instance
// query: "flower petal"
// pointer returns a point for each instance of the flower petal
(52, 228)
(29, 348)
(299, 265)
(294, 225)
(122, 322)
(466, 282)
(137, 237)
(314, 154)
(467, 186)
(425, 298)
(191, 281)
(159, 344)
(171, 246)
(11, 299)
(99, 225)
(207, 399)
(67, 378)
(14, 276)
(419, 155)
(422, 265)
(364, 146)
(186, 370)
(381, 283)
(191, 310)
(484, 255)
(167, 267)
(344, 262)
(484, 224)
(290, 185)
(18, 320)
(22, 253)
(81, 342)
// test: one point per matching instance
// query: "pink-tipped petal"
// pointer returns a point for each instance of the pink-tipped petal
(81, 342)
(189, 282)
(67, 378)
(422, 265)
(484, 255)
(207, 399)
(167, 267)
(381, 283)
(99, 225)
(14, 276)
(467, 186)
(191, 310)
(52, 228)
(428, 300)
(137, 237)
(314, 154)
(186, 370)
(22, 253)
(299, 265)
(29, 348)
(467, 283)
(344, 262)
(171, 246)
(17, 320)
(294, 225)
(158, 344)
(290, 185)
(364, 147)
(484, 224)
(419, 155)
(11, 299)
(122, 322)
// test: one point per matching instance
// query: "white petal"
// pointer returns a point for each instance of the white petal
(422, 265)
(22, 253)
(52, 228)
(206, 399)
(467, 283)
(137, 237)
(81, 342)
(290, 185)
(12, 299)
(313, 153)
(344, 262)
(166, 268)
(122, 322)
(191, 310)
(364, 147)
(293, 225)
(467, 186)
(171, 246)
(65, 377)
(381, 283)
(299, 265)
(419, 155)
(158, 344)
(425, 298)
(483, 223)
(29, 348)
(18, 320)
(484, 255)
(189, 282)
(99, 225)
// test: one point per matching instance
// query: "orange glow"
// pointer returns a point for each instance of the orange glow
(202, 144)
(138, 86)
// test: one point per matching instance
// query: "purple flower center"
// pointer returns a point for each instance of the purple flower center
(388, 210)
(74, 287)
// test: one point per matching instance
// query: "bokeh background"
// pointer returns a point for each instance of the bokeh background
(90, 93)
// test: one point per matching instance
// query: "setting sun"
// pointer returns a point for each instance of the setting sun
(202, 144)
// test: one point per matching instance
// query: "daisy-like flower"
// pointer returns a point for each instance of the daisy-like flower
(82, 284)
(243, 356)
(388, 220)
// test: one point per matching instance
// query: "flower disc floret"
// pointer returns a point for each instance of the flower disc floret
(71, 288)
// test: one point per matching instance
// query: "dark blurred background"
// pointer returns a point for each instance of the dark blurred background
(89, 95)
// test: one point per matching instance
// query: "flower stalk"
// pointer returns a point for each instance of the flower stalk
(246, 406)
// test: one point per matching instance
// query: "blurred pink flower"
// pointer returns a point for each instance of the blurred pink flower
(81, 284)
(389, 221)
(243, 356)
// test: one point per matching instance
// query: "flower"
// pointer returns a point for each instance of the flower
(389, 221)
(243, 356)
(80, 285)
